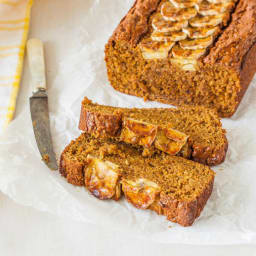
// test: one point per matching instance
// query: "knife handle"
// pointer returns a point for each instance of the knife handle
(35, 51)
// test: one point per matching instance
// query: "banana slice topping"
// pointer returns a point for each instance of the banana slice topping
(142, 193)
(171, 13)
(185, 3)
(195, 44)
(220, 1)
(161, 25)
(204, 21)
(205, 8)
(185, 64)
(168, 36)
(155, 50)
(203, 32)
(186, 28)
(102, 179)
(180, 53)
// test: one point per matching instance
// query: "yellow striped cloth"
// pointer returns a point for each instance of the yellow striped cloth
(14, 25)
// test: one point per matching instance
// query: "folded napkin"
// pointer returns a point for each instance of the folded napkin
(14, 25)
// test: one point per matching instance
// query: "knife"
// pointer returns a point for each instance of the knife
(39, 103)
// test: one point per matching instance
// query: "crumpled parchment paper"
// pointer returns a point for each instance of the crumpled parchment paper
(74, 34)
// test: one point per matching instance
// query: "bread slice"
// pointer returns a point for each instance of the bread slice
(173, 186)
(194, 133)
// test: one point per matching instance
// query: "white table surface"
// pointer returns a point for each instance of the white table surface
(26, 231)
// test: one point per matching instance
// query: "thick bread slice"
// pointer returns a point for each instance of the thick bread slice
(173, 186)
(198, 128)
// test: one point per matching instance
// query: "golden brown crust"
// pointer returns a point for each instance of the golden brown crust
(247, 71)
(237, 39)
(73, 171)
(208, 155)
(135, 24)
(102, 125)
(185, 213)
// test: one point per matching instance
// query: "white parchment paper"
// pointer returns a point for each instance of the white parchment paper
(74, 34)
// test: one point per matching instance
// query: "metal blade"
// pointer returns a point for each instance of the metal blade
(41, 126)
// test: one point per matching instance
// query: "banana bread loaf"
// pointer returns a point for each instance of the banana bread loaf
(173, 186)
(195, 133)
(195, 52)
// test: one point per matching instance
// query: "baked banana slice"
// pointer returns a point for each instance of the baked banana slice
(205, 8)
(161, 25)
(102, 178)
(185, 64)
(204, 21)
(185, 3)
(168, 36)
(220, 1)
(171, 13)
(201, 32)
(195, 44)
(142, 193)
(180, 53)
(155, 50)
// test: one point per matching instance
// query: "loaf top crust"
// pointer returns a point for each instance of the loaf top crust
(237, 38)
(230, 48)
(135, 24)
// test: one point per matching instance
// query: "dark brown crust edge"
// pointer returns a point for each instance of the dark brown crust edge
(135, 23)
(247, 73)
(183, 213)
(102, 125)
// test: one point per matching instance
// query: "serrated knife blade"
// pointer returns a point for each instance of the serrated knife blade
(39, 103)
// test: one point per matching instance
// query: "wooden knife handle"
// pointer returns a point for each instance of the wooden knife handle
(35, 52)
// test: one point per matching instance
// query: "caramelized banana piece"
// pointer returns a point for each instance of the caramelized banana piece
(102, 179)
(204, 21)
(205, 8)
(161, 25)
(220, 1)
(185, 3)
(155, 50)
(170, 141)
(186, 59)
(180, 53)
(202, 32)
(145, 134)
(137, 132)
(195, 44)
(185, 64)
(142, 193)
(171, 13)
(168, 37)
